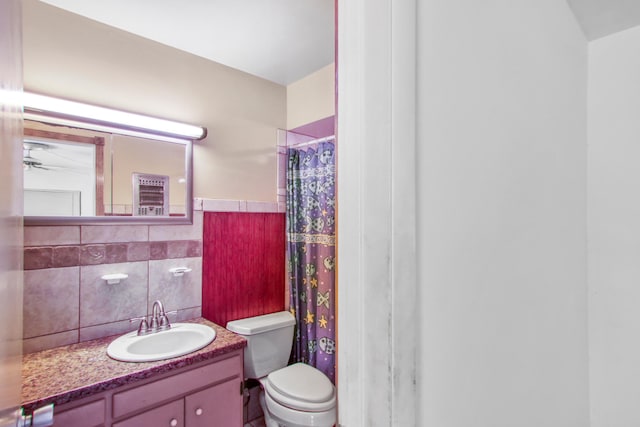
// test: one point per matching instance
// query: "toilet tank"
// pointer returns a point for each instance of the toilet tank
(269, 341)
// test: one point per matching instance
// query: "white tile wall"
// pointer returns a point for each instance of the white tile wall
(104, 303)
(197, 204)
(44, 236)
(44, 342)
(51, 301)
(178, 232)
(176, 293)
(262, 207)
(120, 233)
(186, 314)
(106, 329)
(65, 305)
(218, 205)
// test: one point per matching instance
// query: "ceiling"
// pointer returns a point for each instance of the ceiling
(599, 18)
(56, 157)
(278, 40)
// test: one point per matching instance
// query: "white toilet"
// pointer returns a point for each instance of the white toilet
(292, 396)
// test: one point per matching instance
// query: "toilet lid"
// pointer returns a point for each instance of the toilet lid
(302, 387)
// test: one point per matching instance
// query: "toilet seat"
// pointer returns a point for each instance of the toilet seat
(291, 387)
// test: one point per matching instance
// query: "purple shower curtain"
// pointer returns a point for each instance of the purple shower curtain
(311, 254)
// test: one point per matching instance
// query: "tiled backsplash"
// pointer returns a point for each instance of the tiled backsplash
(39, 257)
(65, 299)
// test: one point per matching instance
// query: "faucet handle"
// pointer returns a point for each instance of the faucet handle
(164, 319)
(143, 329)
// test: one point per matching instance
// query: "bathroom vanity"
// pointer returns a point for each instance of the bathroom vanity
(89, 389)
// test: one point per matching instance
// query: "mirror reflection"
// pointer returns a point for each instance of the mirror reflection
(81, 173)
(133, 157)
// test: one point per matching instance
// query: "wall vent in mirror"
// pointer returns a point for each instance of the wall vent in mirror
(150, 194)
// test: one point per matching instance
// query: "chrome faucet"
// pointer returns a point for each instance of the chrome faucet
(159, 320)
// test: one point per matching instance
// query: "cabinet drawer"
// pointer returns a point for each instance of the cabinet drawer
(217, 406)
(176, 386)
(169, 415)
(89, 415)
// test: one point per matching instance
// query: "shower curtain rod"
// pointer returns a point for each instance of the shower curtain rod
(313, 141)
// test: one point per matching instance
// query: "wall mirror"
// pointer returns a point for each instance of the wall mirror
(75, 176)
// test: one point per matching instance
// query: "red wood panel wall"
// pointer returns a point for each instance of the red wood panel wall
(243, 265)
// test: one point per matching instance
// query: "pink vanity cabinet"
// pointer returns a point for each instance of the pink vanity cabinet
(208, 393)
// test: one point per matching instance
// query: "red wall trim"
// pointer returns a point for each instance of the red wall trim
(243, 265)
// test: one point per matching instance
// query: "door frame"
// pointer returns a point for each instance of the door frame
(377, 279)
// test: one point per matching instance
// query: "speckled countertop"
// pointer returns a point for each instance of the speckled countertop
(72, 372)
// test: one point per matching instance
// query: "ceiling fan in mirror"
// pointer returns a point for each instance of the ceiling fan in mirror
(28, 161)
(45, 158)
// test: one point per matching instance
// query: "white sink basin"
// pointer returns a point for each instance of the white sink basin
(181, 339)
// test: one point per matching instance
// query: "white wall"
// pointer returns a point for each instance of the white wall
(614, 229)
(311, 98)
(70, 56)
(377, 307)
(501, 214)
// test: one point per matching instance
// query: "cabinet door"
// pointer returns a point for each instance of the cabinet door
(169, 415)
(136, 399)
(89, 415)
(220, 405)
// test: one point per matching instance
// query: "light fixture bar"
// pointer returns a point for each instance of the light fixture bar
(76, 114)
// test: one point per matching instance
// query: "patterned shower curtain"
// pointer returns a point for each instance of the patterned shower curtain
(311, 254)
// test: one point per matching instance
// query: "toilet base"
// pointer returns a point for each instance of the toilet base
(268, 419)
(315, 419)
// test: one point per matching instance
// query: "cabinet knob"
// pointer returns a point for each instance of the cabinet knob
(173, 422)
(199, 411)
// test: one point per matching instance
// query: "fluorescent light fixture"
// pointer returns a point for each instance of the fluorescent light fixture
(75, 114)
